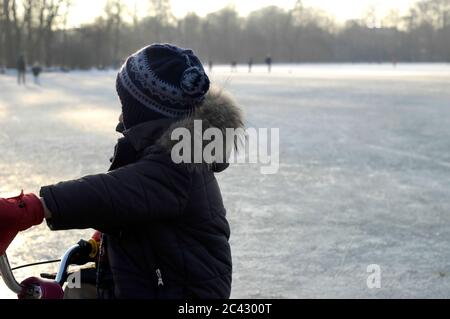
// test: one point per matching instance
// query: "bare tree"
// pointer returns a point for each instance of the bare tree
(161, 9)
(302, 34)
(114, 10)
(161, 18)
(64, 20)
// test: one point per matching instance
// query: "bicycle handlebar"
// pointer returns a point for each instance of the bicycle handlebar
(61, 276)
(8, 276)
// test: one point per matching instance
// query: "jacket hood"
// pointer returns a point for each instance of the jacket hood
(218, 111)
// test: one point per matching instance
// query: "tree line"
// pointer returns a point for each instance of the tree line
(39, 30)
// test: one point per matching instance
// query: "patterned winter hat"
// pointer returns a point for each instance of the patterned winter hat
(161, 81)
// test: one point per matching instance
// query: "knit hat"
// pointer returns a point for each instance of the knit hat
(161, 81)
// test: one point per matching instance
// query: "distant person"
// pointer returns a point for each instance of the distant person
(165, 233)
(210, 65)
(250, 65)
(269, 63)
(233, 66)
(36, 70)
(21, 70)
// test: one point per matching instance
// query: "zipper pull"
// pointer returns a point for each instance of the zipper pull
(160, 281)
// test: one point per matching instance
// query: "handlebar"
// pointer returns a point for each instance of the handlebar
(61, 276)
(8, 276)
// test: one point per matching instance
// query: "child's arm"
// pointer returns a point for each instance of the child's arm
(47, 212)
(130, 197)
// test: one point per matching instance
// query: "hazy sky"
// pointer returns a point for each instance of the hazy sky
(86, 10)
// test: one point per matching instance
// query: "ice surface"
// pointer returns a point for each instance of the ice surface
(364, 176)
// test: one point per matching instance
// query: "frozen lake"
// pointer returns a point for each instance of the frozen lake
(364, 175)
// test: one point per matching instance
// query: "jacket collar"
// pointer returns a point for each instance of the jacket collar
(146, 134)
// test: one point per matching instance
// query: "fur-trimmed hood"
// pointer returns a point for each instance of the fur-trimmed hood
(217, 111)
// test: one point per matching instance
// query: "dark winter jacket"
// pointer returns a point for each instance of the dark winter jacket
(21, 64)
(165, 223)
(36, 70)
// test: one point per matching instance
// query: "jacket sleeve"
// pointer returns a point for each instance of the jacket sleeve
(131, 196)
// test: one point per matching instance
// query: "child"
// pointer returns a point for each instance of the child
(36, 70)
(165, 232)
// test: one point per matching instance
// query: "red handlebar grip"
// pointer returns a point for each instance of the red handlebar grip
(37, 288)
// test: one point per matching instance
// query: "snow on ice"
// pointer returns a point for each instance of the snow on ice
(364, 174)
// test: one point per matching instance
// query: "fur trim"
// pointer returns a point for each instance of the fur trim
(217, 111)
